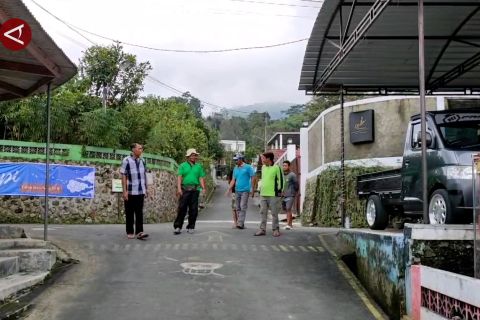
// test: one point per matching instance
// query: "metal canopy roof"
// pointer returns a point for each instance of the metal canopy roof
(371, 47)
(26, 72)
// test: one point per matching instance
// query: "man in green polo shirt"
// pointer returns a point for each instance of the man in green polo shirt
(190, 177)
(270, 193)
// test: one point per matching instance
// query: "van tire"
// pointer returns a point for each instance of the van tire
(440, 208)
(375, 214)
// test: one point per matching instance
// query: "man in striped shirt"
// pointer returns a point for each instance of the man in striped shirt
(134, 182)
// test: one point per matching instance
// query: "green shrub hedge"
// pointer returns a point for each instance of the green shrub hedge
(322, 198)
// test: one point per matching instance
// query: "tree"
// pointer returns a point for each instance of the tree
(194, 103)
(112, 71)
(102, 129)
(176, 129)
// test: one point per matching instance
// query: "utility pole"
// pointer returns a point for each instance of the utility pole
(265, 135)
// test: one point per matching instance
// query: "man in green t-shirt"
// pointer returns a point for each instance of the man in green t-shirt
(191, 177)
(270, 193)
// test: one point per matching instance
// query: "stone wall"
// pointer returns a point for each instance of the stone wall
(105, 207)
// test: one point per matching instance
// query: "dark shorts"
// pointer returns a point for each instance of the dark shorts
(287, 203)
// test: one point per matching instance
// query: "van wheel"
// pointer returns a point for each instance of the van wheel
(377, 218)
(439, 208)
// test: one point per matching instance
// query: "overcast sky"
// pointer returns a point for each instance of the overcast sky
(225, 79)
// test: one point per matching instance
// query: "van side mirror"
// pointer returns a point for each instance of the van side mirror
(428, 139)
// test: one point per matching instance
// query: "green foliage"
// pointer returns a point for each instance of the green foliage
(322, 198)
(102, 128)
(111, 70)
(176, 130)
(194, 103)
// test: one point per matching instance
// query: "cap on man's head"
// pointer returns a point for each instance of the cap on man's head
(238, 156)
(191, 151)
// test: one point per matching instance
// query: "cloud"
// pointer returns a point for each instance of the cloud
(226, 79)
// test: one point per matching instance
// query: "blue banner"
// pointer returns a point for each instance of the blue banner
(28, 179)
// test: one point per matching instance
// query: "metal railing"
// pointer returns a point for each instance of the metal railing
(69, 152)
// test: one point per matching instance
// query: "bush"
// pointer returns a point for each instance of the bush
(322, 198)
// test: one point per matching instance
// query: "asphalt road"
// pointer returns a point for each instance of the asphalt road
(216, 273)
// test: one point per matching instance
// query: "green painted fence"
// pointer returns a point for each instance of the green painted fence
(70, 152)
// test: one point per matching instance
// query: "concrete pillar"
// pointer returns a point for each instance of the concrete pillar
(291, 152)
(303, 164)
(281, 141)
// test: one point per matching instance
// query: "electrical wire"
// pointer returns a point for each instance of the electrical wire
(73, 27)
(276, 4)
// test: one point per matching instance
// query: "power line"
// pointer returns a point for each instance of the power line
(277, 4)
(73, 27)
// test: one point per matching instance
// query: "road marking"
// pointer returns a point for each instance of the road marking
(354, 283)
(253, 247)
(185, 246)
(264, 247)
(127, 247)
(312, 248)
(293, 248)
(303, 248)
(320, 249)
(244, 247)
(176, 246)
(275, 248)
(215, 246)
(169, 259)
(284, 248)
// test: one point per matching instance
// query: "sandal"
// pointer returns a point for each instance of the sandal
(141, 235)
(260, 233)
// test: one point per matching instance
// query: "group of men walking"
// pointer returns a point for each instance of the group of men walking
(278, 188)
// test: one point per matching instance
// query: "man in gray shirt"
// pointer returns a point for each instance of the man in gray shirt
(290, 193)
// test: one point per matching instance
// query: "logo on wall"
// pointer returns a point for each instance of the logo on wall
(361, 127)
(15, 34)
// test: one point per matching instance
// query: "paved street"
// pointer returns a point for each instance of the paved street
(216, 273)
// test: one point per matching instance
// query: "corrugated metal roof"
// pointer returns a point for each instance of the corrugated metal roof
(385, 59)
(27, 71)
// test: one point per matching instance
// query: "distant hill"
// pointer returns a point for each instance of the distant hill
(274, 109)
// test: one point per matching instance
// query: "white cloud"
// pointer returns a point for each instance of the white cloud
(226, 79)
(74, 186)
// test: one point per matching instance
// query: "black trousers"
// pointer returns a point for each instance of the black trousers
(188, 201)
(134, 212)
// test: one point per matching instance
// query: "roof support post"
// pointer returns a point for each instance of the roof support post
(47, 164)
(345, 220)
(423, 113)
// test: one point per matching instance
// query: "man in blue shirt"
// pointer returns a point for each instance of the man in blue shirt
(243, 175)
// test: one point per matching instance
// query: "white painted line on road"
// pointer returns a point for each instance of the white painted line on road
(312, 248)
(127, 247)
(264, 247)
(275, 248)
(170, 259)
(303, 248)
(320, 249)
(284, 248)
(254, 247)
(293, 248)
